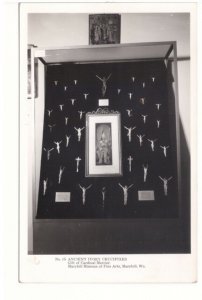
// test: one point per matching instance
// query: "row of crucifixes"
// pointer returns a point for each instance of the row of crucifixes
(124, 188)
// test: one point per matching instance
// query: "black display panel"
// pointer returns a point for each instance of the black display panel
(141, 93)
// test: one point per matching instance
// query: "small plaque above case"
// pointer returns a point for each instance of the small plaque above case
(62, 196)
(146, 196)
(103, 102)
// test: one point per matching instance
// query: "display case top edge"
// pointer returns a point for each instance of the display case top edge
(111, 52)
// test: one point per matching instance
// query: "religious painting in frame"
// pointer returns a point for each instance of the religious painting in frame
(104, 29)
(103, 144)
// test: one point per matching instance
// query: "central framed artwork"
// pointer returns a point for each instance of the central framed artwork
(103, 144)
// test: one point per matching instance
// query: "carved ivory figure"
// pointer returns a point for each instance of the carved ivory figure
(125, 192)
(165, 184)
(84, 192)
(104, 83)
(79, 130)
(129, 132)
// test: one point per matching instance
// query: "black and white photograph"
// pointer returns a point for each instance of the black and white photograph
(108, 138)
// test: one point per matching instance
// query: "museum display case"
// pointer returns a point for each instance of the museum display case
(110, 173)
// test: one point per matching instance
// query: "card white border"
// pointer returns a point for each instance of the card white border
(178, 267)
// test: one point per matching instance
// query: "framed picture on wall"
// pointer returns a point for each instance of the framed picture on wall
(103, 145)
(104, 29)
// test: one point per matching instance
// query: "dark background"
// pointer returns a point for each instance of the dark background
(159, 91)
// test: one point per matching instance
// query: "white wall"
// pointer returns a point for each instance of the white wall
(55, 30)
(155, 28)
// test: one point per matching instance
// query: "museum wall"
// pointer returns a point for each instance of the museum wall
(57, 30)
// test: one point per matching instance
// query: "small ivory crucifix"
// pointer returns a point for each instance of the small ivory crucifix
(145, 169)
(79, 130)
(85, 96)
(165, 184)
(129, 132)
(144, 118)
(158, 105)
(140, 137)
(73, 101)
(66, 121)
(48, 151)
(152, 143)
(45, 184)
(130, 159)
(61, 170)
(49, 112)
(78, 159)
(103, 196)
(125, 192)
(81, 113)
(165, 150)
(61, 106)
(51, 127)
(67, 140)
(58, 146)
(104, 83)
(84, 192)
(130, 95)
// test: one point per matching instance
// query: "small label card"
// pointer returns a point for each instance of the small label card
(62, 196)
(103, 102)
(145, 195)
